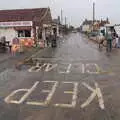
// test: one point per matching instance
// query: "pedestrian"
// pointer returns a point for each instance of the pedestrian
(117, 40)
(15, 46)
(101, 39)
(109, 41)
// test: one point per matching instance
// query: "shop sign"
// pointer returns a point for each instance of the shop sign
(16, 23)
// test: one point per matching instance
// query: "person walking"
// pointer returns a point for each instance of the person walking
(101, 39)
(109, 41)
(117, 41)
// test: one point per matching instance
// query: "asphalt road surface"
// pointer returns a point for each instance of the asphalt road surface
(75, 81)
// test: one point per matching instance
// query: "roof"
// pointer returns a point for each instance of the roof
(87, 22)
(56, 21)
(22, 14)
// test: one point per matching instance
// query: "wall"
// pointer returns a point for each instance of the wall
(86, 28)
(9, 33)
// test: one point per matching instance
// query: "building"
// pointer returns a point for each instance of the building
(25, 23)
(88, 26)
(56, 26)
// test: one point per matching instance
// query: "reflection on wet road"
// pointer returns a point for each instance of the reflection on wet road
(74, 81)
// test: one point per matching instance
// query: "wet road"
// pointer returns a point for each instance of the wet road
(75, 81)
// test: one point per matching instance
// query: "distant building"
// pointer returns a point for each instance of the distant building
(87, 25)
(56, 26)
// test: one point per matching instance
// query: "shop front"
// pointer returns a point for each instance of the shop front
(26, 26)
(19, 29)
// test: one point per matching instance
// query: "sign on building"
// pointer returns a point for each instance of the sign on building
(16, 23)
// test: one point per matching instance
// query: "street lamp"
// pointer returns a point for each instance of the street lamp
(93, 3)
(93, 12)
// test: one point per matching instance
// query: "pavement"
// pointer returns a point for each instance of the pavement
(7, 60)
(75, 81)
(4, 56)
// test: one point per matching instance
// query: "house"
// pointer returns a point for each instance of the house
(86, 26)
(24, 23)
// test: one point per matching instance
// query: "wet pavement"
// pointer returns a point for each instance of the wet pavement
(75, 81)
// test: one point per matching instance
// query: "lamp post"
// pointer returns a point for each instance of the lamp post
(93, 5)
(93, 14)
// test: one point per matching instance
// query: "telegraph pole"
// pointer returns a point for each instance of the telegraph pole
(61, 16)
(65, 24)
(93, 14)
(65, 21)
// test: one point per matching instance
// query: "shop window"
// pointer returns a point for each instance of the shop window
(24, 33)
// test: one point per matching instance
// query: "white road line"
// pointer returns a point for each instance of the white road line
(95, 92)
(69, 67)
(42, 66)
(26, 95)
(100, 97)
(67, 71)
(87, 86)
(96, 66)
(37, 68)
(89, 100)
(83, 68)
(74, 97)
(49, 97)
(9, 97)
(50, 67)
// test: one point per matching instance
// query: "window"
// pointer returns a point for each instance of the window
(24, 33)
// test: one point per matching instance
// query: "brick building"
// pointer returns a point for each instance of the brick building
(24, 23)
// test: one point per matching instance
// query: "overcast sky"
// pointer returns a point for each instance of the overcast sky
(75, 10)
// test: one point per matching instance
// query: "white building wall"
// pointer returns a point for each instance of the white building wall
(86, 28)
(9, 33)
(58, 34)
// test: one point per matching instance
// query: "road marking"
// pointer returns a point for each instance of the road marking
(69, 67)
(74, 97)
(83, 68)
(49, 97)
(42, 66)
(87, 86)
(50, 67)
(25, 96)
(67, 71)
(47, 67)
(95, 92)
(34, 68)
(37, 68)
(96, 66)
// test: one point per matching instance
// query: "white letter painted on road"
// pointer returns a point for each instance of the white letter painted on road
(50, 67)
(37, 68)
(68, 70)
(96, 66)
(95, 92)
(83, 68)
(24, 97)
(49, 97)
(74, 97)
